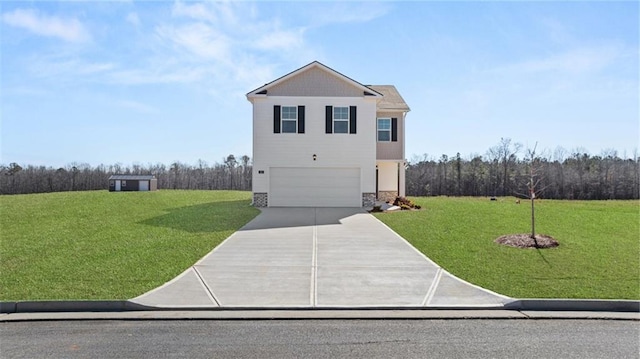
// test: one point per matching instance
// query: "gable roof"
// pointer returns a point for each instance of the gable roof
(263, 90)
(391, 99)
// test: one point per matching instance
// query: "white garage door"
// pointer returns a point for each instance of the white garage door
(144, 186)
(314, 187)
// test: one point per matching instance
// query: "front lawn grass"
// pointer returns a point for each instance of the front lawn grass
(598, 256)
(102, 245)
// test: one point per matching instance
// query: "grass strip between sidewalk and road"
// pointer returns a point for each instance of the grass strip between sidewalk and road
(102, 245)
(598, 256)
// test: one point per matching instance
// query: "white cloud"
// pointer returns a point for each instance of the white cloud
(68, 29)
(198, 38)
(214, 11)
(26, 90)
(93, 68)
(229, 42)
(229, 46)
(133, 19)
(158, 75)
(556, 30)
(138, 106)
(347, 12)
(197, 11)
(583, 60)
(274, 40)
(59, 66)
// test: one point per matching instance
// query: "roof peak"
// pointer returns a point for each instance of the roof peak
(262, 90)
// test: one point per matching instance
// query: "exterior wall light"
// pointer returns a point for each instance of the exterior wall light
(315, 157)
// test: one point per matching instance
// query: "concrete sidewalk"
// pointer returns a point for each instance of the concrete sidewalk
(317, 258)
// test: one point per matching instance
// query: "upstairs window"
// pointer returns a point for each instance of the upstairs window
(341, 120)
(289, 119)
(384, 129)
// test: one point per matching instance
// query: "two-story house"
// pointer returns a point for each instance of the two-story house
(322, 139)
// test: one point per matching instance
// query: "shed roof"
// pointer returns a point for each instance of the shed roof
(391, 99)
(132, 177)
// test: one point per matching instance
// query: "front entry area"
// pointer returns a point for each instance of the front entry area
(388, 180)
(314, 187)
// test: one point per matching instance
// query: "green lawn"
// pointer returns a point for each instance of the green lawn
(101, 245)
(598, 256)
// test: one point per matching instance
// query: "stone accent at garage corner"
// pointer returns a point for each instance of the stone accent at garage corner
(368, 199)
(387, 196)
(260, 200)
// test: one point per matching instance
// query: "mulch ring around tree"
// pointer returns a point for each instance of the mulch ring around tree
(524, 240)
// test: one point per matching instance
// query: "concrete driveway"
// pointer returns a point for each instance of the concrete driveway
(317, 257)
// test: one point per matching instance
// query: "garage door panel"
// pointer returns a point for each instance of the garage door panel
(314, 187)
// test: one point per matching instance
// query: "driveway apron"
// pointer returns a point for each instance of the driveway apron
(317, 257)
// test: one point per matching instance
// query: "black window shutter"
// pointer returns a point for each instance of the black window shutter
(300, 119)
(394, 129)
(276, 119)
(352, 119)
(328, 123)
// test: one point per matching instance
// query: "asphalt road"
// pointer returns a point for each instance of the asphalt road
(322, 339)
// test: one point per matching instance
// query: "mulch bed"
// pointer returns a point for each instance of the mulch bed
(525, 241)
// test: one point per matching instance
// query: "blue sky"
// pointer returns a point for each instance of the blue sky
(159, 81)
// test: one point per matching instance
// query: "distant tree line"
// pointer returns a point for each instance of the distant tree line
(229, 174)
(499, 172)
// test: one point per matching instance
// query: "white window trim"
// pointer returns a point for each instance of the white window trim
(347, 120)
(384, 129)
(282, 119)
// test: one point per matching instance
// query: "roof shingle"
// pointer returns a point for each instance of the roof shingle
(391, 99)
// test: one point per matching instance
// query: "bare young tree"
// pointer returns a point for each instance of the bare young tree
(533, 187)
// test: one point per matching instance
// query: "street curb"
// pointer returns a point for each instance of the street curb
(72, 306)
(283, 314)
(542, 305)
(584, 305)
(130, 305)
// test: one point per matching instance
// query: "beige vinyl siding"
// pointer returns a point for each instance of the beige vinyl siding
(315, 82)
(391, 150)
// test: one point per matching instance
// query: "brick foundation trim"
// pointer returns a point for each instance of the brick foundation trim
(387, 196)
(260, 200)
(368, 199)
